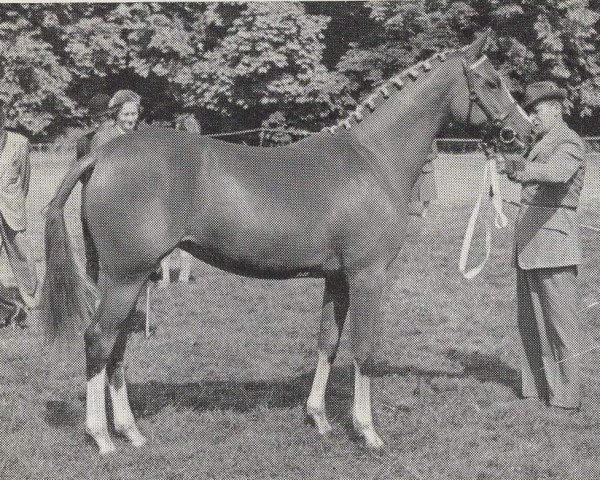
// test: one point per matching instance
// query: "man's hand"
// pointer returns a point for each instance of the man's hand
(500, 163)
(491, 153)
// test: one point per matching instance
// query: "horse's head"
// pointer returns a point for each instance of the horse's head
(480, 95)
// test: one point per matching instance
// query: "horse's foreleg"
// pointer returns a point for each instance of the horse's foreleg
(186, 266)
(366, 291)
(123, 416)
(335, 308)
(165, 265)
(117, 302)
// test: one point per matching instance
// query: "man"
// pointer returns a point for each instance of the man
(547, 250)
(424, 189)
(15, 171)
(97, 108)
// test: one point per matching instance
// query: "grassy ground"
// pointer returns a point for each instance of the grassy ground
(219, 388)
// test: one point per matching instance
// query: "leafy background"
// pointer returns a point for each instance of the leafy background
(275, 64)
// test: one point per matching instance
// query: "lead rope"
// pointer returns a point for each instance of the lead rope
(489, 186)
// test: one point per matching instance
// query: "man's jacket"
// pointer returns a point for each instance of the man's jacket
(15, 170)
(547, 227)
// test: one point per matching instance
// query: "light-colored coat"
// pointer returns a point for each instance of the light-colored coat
(547, 226)
(15, 169)
(105, 134)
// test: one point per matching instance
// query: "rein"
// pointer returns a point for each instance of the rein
(490, 184)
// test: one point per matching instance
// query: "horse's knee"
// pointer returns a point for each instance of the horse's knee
(116, 374)
(97, 350)
(330, 350)
(365, 360)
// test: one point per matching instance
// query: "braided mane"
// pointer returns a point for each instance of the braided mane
(398, 82)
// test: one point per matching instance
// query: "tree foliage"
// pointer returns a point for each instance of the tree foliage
(533, 39)
(288, 64)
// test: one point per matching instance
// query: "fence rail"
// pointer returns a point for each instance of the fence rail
(266, 137)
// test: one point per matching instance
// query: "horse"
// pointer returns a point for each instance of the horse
(331, 206)
(188, 123)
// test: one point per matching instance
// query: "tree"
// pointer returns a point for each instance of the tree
(34, 82)
(533, 39)
(146, 47)
(243, 65)
(268, 68)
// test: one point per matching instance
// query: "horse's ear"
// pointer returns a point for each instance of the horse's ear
(478, 47)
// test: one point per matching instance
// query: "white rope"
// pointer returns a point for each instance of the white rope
(148, 286)
(490, 179)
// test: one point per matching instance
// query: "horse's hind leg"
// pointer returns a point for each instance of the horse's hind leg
(123, 416)
(117, 302)
(335, 308)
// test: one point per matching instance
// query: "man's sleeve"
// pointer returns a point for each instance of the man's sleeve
(26, 167)
(560, 168)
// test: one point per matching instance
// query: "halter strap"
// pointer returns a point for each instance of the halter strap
(490, 184)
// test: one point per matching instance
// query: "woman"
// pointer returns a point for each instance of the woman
(124, 112)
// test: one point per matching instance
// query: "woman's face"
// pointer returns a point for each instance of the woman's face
(128, 116)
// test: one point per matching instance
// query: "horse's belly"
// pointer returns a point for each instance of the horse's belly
(265, 249)
(252, 264)
(245, 230)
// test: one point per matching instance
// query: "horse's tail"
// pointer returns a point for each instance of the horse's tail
(68, 296)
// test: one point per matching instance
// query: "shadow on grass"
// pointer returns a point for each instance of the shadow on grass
(149, 398)
(487, 368)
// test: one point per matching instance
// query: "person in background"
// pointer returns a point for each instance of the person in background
(188, 123)
(15, 171)
(424, 189)
(97, 116)
(124, 110)
(547, 250)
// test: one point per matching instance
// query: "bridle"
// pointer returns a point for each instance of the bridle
(507, 135)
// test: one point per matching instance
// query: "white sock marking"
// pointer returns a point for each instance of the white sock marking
(316, 399)
(95, 422)
(123, 416)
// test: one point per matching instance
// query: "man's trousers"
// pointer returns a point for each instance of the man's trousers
(22, 263)
(550, 334)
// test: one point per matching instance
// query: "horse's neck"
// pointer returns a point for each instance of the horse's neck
(401, 130)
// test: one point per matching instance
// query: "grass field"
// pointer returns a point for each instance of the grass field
(219, 388)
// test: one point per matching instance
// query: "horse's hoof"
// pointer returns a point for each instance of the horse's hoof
(371, 441)
(319, 419)
(138, 440)
(106, 448)
(375, 448)
(103, 441)
(133, 435)
(372, 446)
